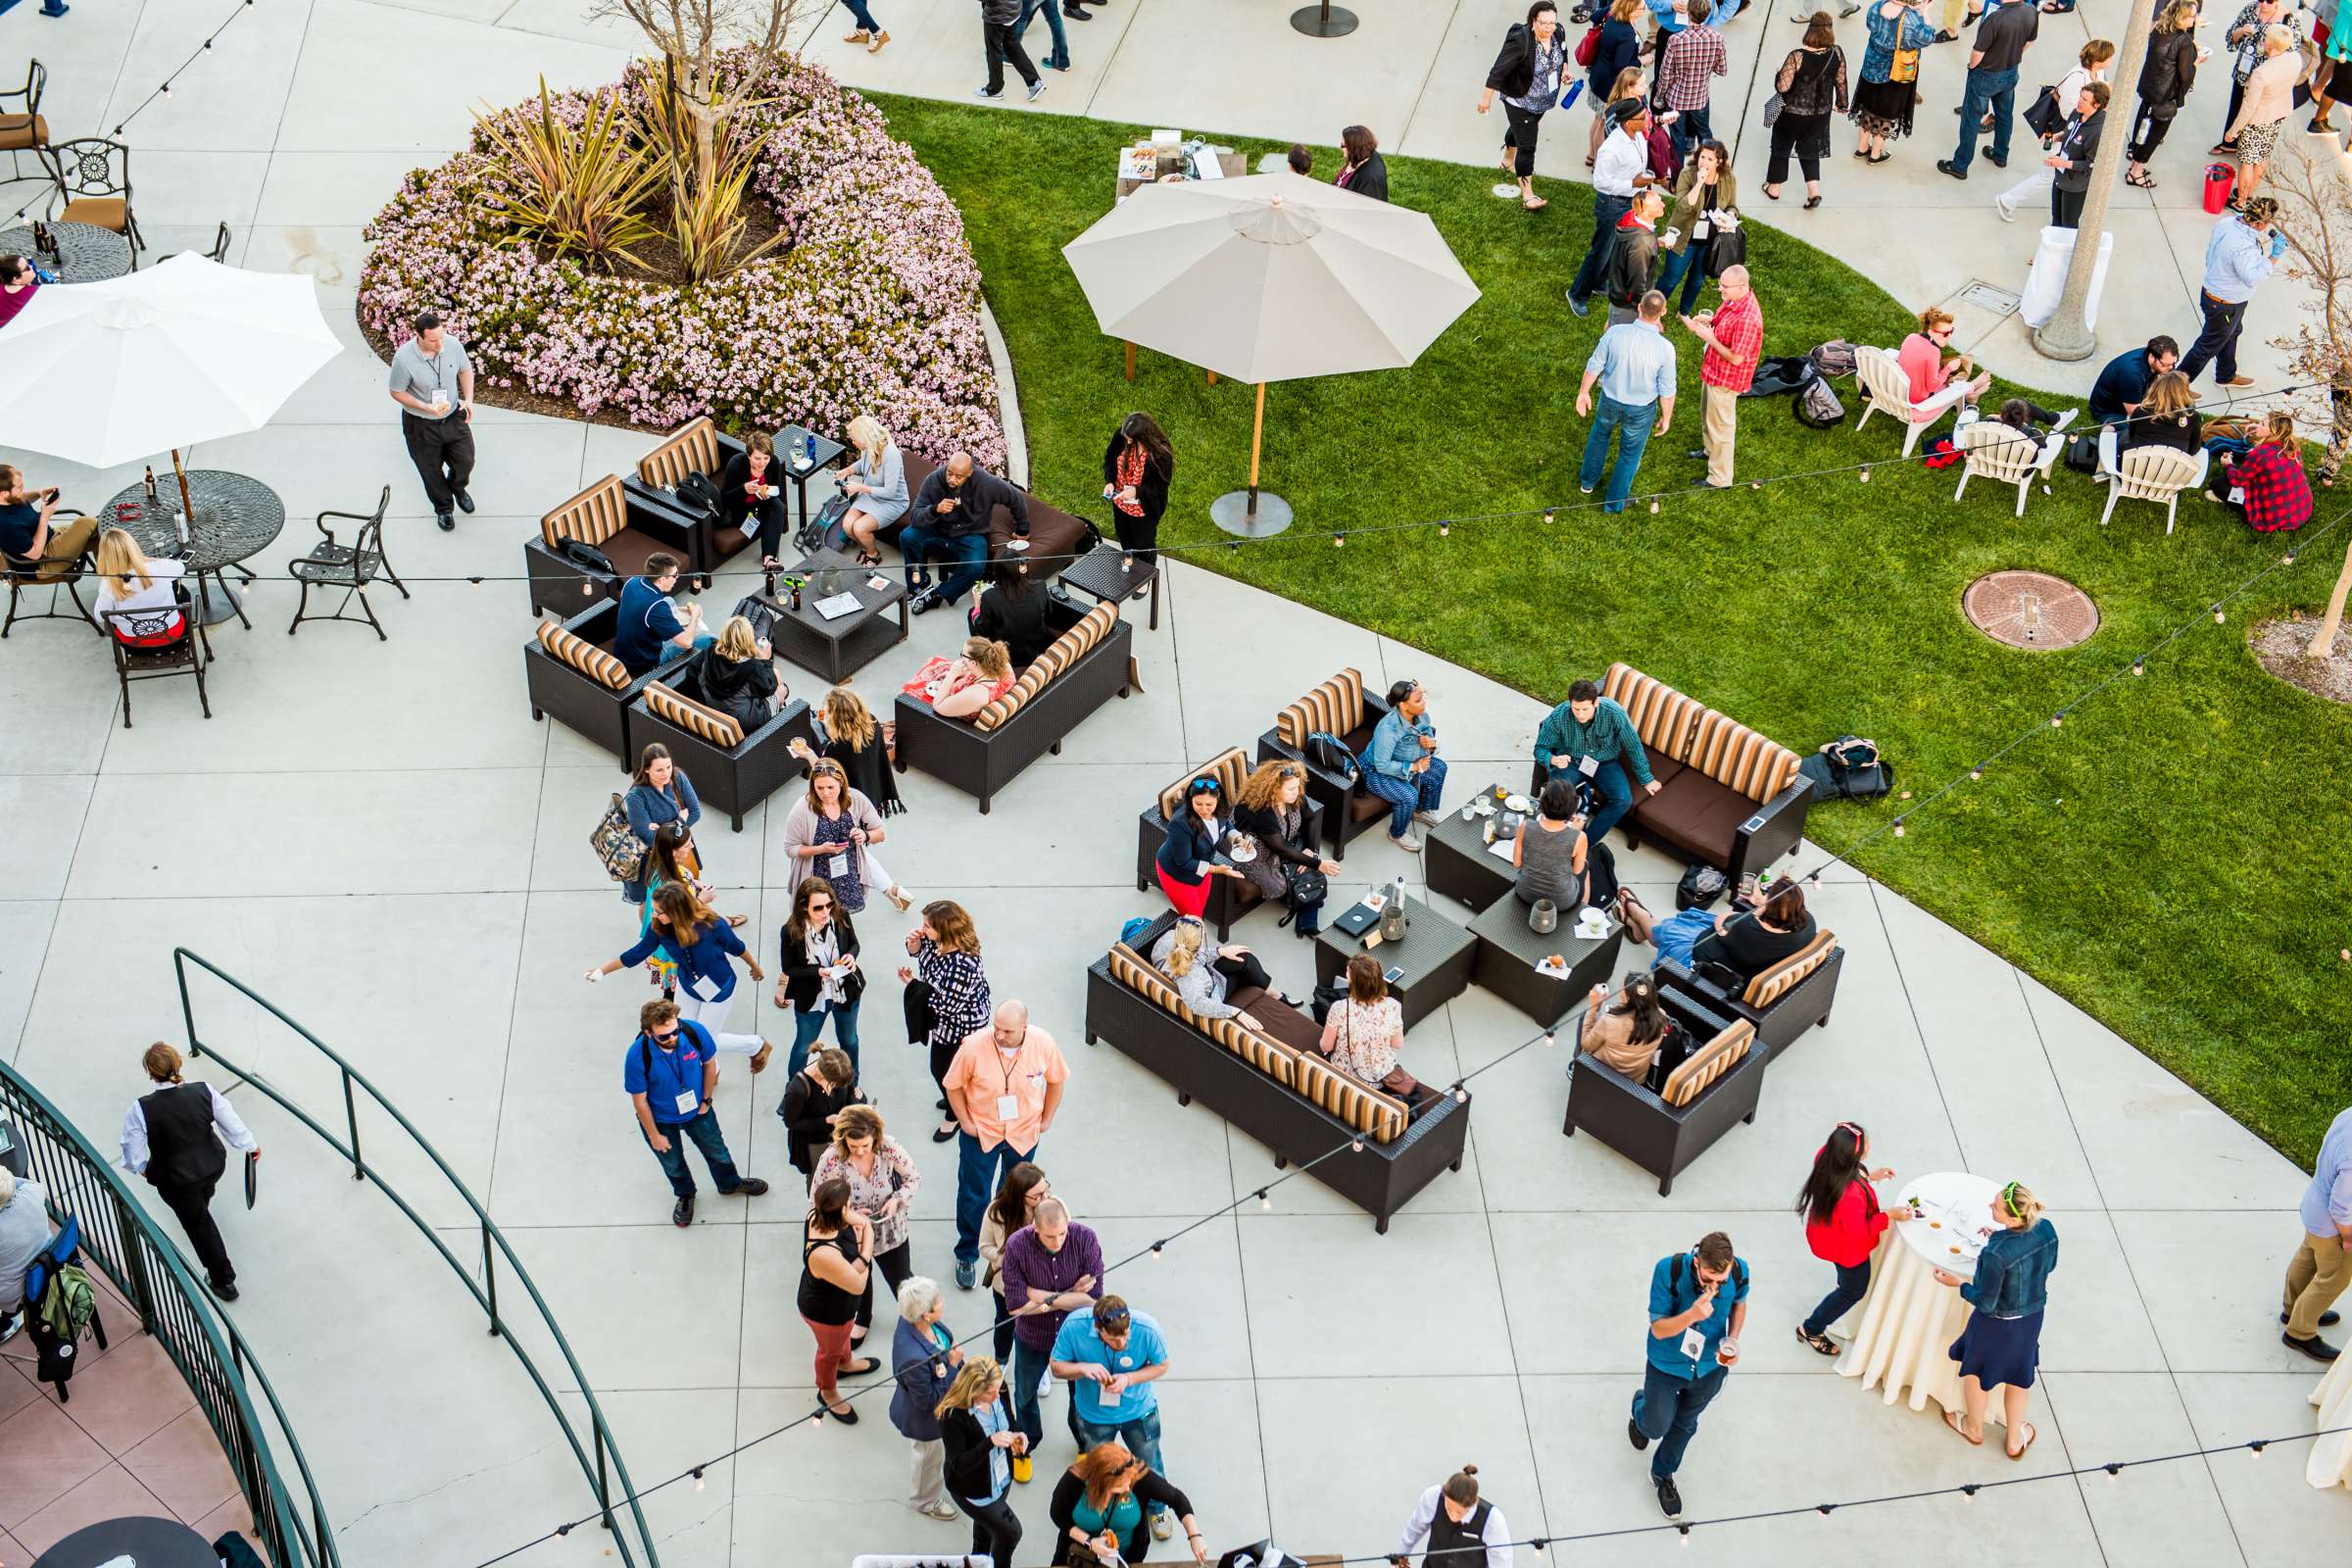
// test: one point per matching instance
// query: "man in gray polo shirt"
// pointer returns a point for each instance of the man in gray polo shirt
(432, 381)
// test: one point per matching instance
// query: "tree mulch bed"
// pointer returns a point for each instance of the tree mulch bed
(2281, 646)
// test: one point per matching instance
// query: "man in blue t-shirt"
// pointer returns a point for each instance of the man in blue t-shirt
(1697, 1306)
(649, 633)
(670, 1072)
(26, 534)
(1111, 1357)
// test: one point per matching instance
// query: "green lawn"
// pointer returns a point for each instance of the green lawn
(2176, 859)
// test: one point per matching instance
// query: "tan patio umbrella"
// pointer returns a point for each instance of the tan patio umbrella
(1269, 278)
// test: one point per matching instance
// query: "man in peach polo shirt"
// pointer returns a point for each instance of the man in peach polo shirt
(1004, 1088)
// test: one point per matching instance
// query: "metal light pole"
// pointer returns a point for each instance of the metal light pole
(2067, 335)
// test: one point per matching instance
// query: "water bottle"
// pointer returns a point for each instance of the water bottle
(808, 451)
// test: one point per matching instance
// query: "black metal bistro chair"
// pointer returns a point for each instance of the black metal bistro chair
(23, 129)
(149, 646)
(26, 576)
(352, 566)
(92, 176)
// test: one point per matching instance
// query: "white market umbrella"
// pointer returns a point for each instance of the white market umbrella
(106, 374)
(1271, 277)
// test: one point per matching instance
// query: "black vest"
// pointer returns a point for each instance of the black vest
(1462, 1546)
(181, 1148)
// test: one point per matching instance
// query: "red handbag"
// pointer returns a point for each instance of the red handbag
(1589, 46)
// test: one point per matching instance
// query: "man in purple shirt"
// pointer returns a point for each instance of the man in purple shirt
(1053, 1267)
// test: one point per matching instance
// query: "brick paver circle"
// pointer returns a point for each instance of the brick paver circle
(2031, 610)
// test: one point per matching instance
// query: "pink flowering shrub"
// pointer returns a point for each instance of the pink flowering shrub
(872, 306)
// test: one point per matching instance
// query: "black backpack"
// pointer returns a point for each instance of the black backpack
(1701, 885)
(1848, 768)
(822, 530)
(1330, 754)
(698, 495)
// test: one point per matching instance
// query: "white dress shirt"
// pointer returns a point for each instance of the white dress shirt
(1496, 1534)
(1620, 159)
(225, 1121)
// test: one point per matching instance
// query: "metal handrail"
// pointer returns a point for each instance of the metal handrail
(604, 1466)
(212, 1357)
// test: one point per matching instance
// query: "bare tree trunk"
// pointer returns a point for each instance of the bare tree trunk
(2323, 645)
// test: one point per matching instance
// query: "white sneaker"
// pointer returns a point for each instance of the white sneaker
(1433, 818)
(2063, 420)
(2008, 213)
(1044, 1385)
(1405, 843)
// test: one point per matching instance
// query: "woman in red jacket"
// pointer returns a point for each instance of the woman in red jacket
(1843, 1225)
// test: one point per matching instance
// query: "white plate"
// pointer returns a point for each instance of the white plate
(1517, 803)
(1241, 854)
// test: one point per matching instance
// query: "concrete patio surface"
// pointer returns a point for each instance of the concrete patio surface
(378, 837)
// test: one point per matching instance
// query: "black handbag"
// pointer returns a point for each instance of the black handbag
(698, 495)
(1728, 249)
(580, 552)
(2045, 115)
(1701, 885)
(1304, 885)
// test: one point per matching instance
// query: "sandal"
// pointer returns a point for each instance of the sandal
(1771, 195)
(2031, 1434)
(1880, 157)
(1812, 202)
(1534, 204)
(1951, 1418)
(2143, 183)
(1820, 1343)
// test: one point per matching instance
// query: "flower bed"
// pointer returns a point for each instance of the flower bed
(872, 306)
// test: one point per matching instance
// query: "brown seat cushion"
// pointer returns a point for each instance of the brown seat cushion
(1287, 1025)
(21, 131)
(106, 211)
(627, 550)
(1052, 533)
(1696, 815)
(1664, 770)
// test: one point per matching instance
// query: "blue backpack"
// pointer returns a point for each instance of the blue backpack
(1133, 931)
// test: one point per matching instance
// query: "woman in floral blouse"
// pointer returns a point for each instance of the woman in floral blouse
(1365, 1031)
(946, 949)
(883, 1182)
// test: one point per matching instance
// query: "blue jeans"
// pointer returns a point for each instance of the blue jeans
(1690, 128)
(1688, 267)
(1985, 89)
(861, 15)
(1668, 1408)
(1675, 936)
(968, 551)
(1633, 422)
(979, 1172)
(806, 1026)
(1028, 1369)
(1059, 59)
(1852, 1285)
(1606, 210)
(704, 1131)
(1405, 796)
(1140, 1435)
(1613, 785)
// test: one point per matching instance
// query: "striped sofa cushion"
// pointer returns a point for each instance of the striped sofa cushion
(1784, 977)
(1707, 1063)
(1379, 1116)
(707, 723)
(1227, 767)
(592, 517)
(1335, 708)
(1738, 757)
(1662, 716)
(691, 449)
(570, 647)
(1059, 655)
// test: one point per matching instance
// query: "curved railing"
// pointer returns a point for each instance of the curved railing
(599, 1458)
(213, 1358)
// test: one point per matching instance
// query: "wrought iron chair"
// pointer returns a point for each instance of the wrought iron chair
(347, 567)
(218, 251)
(49, 574)
(89, 190)
(25, 129)
(147, 647)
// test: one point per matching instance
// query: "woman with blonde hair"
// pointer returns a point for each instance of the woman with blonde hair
(945, 946)
(128, 582)
(1204, 985)
(693, 936)
(848, 733)
(971, 682)
(976, 1432)
(2269, 488)
(2269, 99)
(739, 675)
(2167, 416)
(882, 1181)
(2002, 1342)
(831, 832)
(875, 485)
(1272, 810)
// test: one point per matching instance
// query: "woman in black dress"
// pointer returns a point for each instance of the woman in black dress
(1271, 808)
(1013, 610)
(848, 733)
(751, 487)
(820, 1091)
(1138, 466)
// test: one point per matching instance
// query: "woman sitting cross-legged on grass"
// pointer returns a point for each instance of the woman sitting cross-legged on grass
(1748, 941)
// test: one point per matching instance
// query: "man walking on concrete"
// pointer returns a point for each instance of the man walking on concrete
(432, 381)
(2242, 251)
(2323, 1264)
(168, 1138)
(1992, 65)
(1698, 1306)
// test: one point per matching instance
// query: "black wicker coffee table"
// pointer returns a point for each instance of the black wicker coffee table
(1107, 573)
(847, 642)
(236, 519)
(1509, 952)
(1435, 955)
(1461, 863)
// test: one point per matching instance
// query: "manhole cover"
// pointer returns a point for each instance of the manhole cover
(1989, 297)
(2031, 610)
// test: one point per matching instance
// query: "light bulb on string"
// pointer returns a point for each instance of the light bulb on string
(1898, 827)
(561, 1529)
(698, 1478)
(1653, 505)
(2057, 721)
(1968, 1490)
(1338, 540)
(2140, 666)
(1975, 775)
(1866, 474)
(1264, 1201)
(167, 89)
(2112, 1471)
(1359, 1145)
(2258, 1444)
(1549, 512)
(1685, 1533)
(2218, 616)
(1551, 1039)
(1158, 1247)
(1444, 531)
(1825, 1509)
(1461, 1095)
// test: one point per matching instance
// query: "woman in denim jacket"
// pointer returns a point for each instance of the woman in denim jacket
(2002, 1343)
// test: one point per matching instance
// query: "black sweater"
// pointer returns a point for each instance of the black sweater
(1371, 179)
(807, 1105)
(2167, 73)
(1746, 946)
(977, 501)
(741, 687)
(1017, 621)
(1151, 1490)
(967, 1445)
(1262, 823)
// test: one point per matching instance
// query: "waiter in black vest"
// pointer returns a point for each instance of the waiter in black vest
(169, 1138)
(1462, 1530)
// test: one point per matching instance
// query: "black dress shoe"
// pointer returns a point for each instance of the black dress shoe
(1670, 1498)
(1945, 166)
(2327, 1320)
(1995, 162)
(465, 502)
(1075, 14)
(1634, 1435)
(944, 1135)
(226, 1293)
(447, 521)
(749, 1187)
(683, 1215)
(2317, 1349)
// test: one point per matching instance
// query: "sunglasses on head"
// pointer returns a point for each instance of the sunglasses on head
(1202, 785)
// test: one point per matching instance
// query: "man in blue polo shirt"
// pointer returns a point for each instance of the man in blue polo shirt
(648, 633)
(671, 1071)
(1111, 1357)
(1698, 1306)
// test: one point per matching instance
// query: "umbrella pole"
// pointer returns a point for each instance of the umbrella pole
(187, 508)
(1257, 432)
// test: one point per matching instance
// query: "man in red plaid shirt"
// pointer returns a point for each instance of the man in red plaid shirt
(1734, 333)
(1687, 67)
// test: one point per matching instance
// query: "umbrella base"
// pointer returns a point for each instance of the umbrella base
(1323, 21)
(1231, 513)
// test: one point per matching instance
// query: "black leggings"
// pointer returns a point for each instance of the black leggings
(1243, 971)
(1521, 139)
(943, 1057)
(1136, 535)
(1004, 1331)
(2147, 134)
(2066, 207)
(895, 1266)
(1787, 131)
(996, 1533)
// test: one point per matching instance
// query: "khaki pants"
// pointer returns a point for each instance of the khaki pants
(1719, 423)
(1955, 11)
(926, 1484)
(67, 542)
(2314, 1280)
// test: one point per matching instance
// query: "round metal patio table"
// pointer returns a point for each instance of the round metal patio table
(148, 1541)
(86, 253)
(236, 517)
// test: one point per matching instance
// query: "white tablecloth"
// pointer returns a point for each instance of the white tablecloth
(2330, 1462)
(1903, 1330)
